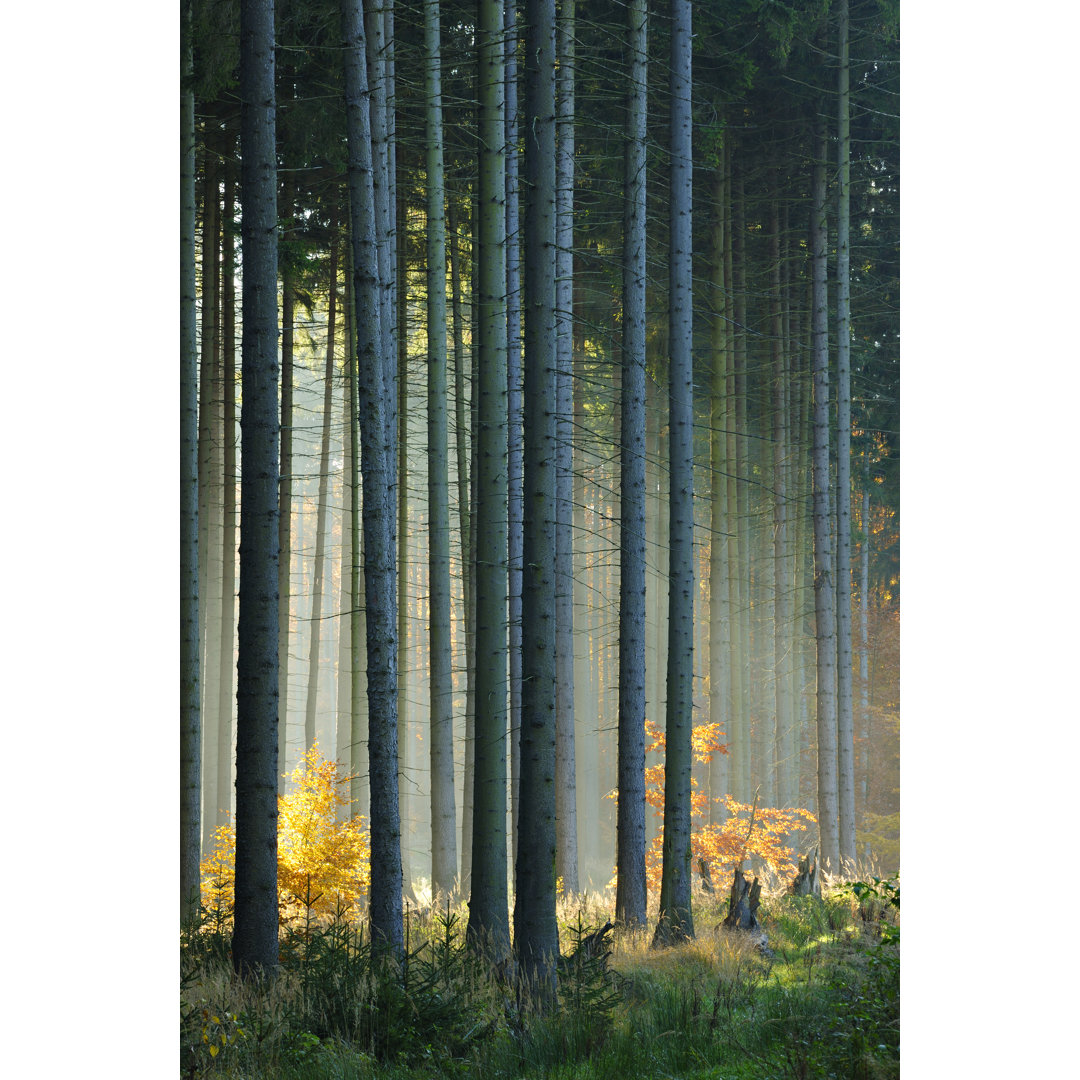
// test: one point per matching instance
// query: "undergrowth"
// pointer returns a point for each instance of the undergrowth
(822, 1002)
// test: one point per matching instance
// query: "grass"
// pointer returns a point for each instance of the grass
(826, 1004)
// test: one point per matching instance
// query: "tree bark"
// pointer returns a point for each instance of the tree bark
(190, 712)
(285, 505)
(255, 942)
(536, 936)
(676, 921)
(630, 890)
(441, 739)
(488, 928)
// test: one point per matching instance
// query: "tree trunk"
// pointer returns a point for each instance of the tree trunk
(824, 599)
(378, 503)
(322, 509)
(536, 935)
(288, 297)
(676, 921)
(190, 713)
(630, 891)
(844, 713)
(255, 932)
(441, 739)
(566, 856)
(488, 928)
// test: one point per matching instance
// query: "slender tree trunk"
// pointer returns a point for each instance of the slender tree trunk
(676, 920)
(228, 517)
(321, 511)
(824, 597)
(343, 739)
(488, 927)
(190, 713)
(845, 713)
(720, 524)
(285, 502)
(513, 408)
(630, 891)
(536, 935)
(864, 642)
(374, 386)
(255, 940)
(441, 739)
(566, 861)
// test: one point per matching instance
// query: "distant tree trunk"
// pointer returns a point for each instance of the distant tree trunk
(566, 856)
(322, 509)
(343, 739)
(630, 889)
(720, 524)
(228, 518)
(288, 301)
(513, 408)
(536, 934)
(464, 531)
(190, 713)
(864, 641)
(676, 921)
(824, 598)
(844, 705)
(378, 503)
(488, 927)
(781, 577)
(255, 933)
(443, 809)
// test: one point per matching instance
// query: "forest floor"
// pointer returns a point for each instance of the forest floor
(824, 1004)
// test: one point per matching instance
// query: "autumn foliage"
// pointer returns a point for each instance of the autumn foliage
(772, 838)
(323, 861)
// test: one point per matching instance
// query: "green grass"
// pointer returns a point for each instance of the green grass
(825, 1005)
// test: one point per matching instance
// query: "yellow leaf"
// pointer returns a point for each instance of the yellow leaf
(213, 1051)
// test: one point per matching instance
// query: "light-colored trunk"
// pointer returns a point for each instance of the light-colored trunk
(322, 509)
(441, 738)
(824, 593)
(630, 892)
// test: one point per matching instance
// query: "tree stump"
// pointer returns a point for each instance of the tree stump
(706, 876)
(743, 904)
(806, 882)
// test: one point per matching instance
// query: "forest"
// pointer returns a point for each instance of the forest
(540, 528)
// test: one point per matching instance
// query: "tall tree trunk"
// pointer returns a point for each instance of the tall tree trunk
(190, 712)
(513, 408)
(676, 920)
(374, 384)
(209, 509)
(566, 860)
(864, 642)
(285, 502)
(441, 738)
(845, 719)
(630, 890)
(720, 523)
(781, 581)
(536, 934)
(322, 509)
(255, 932)
(228, 516)
(824, 597)
(488, 927)
(343, 738)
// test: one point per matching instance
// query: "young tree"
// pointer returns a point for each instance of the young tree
(255, 944)
(536, 934)
(190, 727)
(676, 921)
(630, 893)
